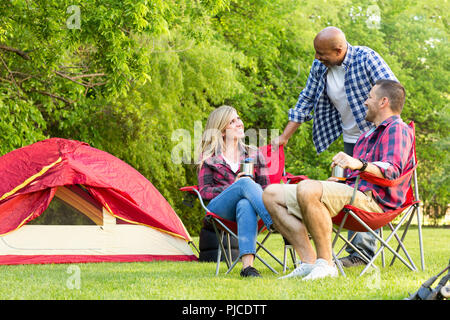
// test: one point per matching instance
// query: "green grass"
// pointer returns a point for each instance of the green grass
(193, 280)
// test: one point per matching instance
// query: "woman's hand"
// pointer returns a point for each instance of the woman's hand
(239, 176)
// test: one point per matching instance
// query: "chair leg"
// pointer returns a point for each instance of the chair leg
(266, 264)
(259, 258)
(339, 264)
(228, 257)
(264, 240)
(347, 242)
(419, 228)
(419, 224)
(383, 262)
(232, 266)
(219, 256)
(403, 238)
(290, 248)
(261, 246)
(221, 246)
(338, 232)
(229, 247)
(400, 243)
(293, 256)
(384, 244)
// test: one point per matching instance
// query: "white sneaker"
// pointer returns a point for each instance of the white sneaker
(321, 269)
(302, 270)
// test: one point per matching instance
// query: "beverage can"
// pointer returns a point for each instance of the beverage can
(248, 168)
(338, 173)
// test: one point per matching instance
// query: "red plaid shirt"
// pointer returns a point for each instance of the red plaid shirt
(216, 175)
(390, 147)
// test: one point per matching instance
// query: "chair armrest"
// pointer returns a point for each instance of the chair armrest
(194, 190)
(190, 189)
(291, 179)
(383, 182)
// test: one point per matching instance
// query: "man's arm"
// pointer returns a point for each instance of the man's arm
(282, 140)
(347, 162)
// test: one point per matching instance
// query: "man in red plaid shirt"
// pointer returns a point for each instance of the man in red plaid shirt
(385, 151)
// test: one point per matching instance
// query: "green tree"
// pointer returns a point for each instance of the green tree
(138, 78)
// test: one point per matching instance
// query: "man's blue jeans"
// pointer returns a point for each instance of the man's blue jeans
(242, 202)
(364, 241)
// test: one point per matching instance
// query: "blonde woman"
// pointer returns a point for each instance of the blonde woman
(231, 195)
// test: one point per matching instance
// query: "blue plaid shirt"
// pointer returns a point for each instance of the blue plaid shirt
(363, 67)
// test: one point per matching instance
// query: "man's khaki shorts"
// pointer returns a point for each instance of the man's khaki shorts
(335, 196)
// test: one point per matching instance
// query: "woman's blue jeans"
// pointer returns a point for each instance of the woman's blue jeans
(242, 202)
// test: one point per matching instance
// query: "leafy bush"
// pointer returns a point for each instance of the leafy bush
(138, 79)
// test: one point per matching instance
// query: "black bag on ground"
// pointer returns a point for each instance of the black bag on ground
(209, 245)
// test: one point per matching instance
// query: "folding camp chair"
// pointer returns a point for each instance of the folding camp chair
(352, 218)
(223, 227)
(228, 228)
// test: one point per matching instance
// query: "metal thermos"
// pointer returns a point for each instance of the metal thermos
(248, 168)
(338, 173)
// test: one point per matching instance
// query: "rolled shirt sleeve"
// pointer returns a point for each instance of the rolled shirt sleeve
(393, 160)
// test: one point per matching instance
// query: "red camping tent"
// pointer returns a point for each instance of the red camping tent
(31, 175)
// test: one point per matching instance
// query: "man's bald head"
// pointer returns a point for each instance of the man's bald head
(332, 37)
(331, 46)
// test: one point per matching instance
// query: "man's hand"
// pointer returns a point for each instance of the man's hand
(345, 161)
(282, 140)
(279, 141)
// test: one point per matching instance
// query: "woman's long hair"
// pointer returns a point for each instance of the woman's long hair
(212, 143)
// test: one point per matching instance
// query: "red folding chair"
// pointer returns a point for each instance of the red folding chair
(223, 227)
(352, 218)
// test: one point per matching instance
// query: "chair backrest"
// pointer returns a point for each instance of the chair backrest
(275, 162)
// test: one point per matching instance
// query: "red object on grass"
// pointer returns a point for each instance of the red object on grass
(30, 175)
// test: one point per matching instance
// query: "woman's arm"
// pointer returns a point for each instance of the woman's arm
(207, 188)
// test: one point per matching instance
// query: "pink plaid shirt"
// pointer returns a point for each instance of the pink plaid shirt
(390, 147)
(216, 175)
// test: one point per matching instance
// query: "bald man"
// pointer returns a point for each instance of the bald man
(339, 82)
